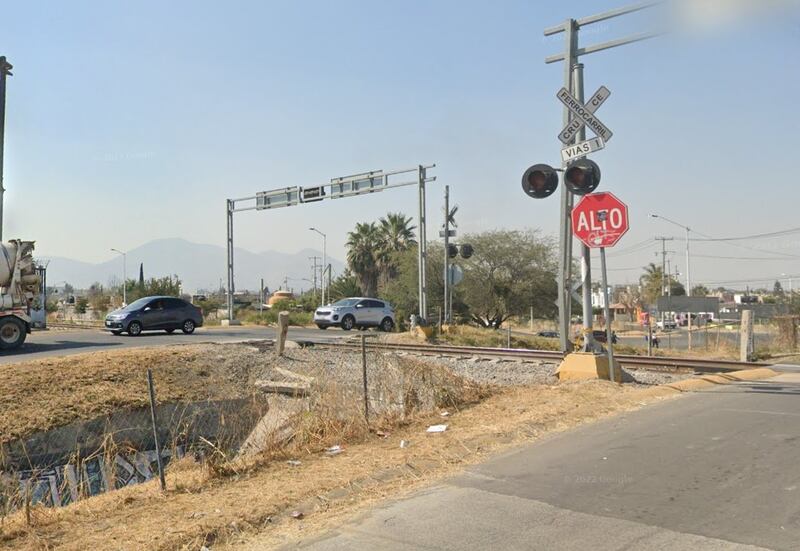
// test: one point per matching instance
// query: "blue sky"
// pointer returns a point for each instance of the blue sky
(129, 122)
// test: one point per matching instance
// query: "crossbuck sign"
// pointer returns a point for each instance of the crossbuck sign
(584, 116)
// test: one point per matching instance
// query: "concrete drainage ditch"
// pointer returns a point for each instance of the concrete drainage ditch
(86, 458)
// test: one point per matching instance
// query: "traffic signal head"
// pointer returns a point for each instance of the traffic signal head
(582, 176)
(466, 250)
(540, 181)
(452, 251)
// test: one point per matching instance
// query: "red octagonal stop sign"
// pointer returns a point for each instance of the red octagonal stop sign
(600, 220)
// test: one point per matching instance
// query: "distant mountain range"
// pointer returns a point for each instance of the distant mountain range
(199, 266)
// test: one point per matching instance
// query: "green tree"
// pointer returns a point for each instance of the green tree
(778, 289)
(363, 253)
(346, 285)
(155, 286)
(700, 291)
(99, 300)
(652, 282)
(403, 291)
(510, 272)
(396, 235)
(80, 305)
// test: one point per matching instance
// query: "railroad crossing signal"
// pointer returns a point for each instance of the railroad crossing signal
(582, 177)
(585, 114)
(591, 106)
(540, 181)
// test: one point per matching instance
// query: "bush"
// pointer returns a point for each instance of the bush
(270, 316)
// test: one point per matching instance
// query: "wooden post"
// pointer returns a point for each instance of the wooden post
(283, 330)
(364, 376)
(746, 343)
(154, 420)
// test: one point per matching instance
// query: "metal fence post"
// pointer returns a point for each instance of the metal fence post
(154, 420)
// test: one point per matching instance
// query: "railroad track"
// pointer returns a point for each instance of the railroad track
(75, 325)
(627, 361)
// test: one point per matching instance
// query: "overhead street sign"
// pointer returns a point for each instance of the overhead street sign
(582, 112)
(600, 220)
(582, 149)
(311, 194)
(592, 105)
(285, 197)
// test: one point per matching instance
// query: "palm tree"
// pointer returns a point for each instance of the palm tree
(396, 236)
(363, 247)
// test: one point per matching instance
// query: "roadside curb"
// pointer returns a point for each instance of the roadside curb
(710, 381)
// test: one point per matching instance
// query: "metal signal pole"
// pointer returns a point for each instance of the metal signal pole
(572, 52)
(446, 253)
(423, 246)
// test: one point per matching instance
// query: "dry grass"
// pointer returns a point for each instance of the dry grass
(42, 394)
(252, 508)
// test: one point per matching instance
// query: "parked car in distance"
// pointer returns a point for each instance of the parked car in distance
(154, 314)
(356, 312)
(548, 334)
(666, 325)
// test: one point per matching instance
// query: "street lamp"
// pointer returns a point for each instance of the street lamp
(324, 262)
(688, 272)
(124, 276)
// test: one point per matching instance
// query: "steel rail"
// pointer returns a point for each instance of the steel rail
(629, 361)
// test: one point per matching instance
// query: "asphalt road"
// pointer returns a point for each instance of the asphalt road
(56, 342)
(711, 470)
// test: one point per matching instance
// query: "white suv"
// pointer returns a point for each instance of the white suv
(358, 312)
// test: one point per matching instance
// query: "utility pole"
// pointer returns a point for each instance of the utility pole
(315, 268)
(586, 261)
(664, 273)
(5, 71)
(688, 270)
(573, 83)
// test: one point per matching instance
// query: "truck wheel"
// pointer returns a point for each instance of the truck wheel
(12, 333)
(134, 329)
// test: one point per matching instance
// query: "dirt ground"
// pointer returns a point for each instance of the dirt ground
(253, 509)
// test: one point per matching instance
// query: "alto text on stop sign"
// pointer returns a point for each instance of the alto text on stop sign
(600, 220)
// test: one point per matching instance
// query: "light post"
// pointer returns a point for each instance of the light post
(5, 71)
(688, 268)
(324, 262)
(124, 276)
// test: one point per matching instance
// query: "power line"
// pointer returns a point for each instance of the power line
(769, 235)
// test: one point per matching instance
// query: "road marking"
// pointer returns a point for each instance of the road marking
(761, 412)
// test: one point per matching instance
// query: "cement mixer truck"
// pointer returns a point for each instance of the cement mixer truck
(19, 284)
